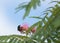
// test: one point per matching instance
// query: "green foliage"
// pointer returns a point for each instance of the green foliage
(12, 39)
(27, 7)
(48, 28)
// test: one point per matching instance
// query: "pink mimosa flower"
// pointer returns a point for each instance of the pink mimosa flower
(25, 27)
(33, 30)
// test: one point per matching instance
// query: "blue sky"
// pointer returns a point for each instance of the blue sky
(9, 20)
